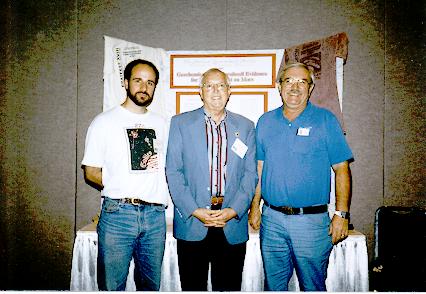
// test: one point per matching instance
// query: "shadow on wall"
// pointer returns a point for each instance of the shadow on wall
(41, 259)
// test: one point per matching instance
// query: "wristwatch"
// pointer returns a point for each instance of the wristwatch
(342, 214)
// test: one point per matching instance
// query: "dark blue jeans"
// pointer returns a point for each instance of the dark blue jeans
(126, 231)
(298, 242)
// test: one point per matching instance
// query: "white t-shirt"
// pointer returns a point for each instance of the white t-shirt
(121, 143)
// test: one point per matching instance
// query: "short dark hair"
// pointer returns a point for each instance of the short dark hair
(132, 64)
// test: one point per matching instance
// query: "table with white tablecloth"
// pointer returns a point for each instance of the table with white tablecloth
(347, 269)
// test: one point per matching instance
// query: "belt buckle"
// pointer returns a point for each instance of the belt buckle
(134, 201)
(215, 200)
(288, 210)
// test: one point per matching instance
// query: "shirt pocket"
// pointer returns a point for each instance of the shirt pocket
(309, 145)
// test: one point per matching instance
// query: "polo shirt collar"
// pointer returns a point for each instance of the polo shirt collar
(305, 113)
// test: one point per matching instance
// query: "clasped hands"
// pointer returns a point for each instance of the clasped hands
(214, 218)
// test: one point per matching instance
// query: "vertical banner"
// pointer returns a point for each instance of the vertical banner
(321, 55)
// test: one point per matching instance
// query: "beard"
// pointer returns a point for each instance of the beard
(138, 102)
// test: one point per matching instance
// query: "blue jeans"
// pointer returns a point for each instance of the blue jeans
(126, 231)
(298, 242)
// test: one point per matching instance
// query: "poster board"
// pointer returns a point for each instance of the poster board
(252, 74)
(252, 77)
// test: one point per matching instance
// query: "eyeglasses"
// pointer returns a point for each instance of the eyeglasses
(291, 81)
(220, 87)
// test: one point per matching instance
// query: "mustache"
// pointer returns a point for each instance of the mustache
(294, 91)
(144, 92)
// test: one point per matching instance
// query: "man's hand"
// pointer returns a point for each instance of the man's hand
(254, 217)
(338, 229)
(214, 218)
(223, 216)
(205, 216)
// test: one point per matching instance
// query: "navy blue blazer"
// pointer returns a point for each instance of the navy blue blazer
(188, 175)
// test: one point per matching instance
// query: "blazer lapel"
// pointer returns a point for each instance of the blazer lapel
(197, 144)
(232, 131)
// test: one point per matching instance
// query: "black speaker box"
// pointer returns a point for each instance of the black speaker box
(399, 262)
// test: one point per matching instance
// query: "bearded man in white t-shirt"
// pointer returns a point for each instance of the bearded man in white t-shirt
(125, 158)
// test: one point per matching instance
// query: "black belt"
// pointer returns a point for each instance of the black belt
(136, 201)
(216, 206)
(299, 210)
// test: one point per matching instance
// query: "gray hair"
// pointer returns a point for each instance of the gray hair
(296, 64)
(203, 76)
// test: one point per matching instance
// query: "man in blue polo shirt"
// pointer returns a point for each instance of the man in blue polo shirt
(296, 146)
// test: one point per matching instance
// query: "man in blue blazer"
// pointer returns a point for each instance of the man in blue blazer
(211, 172)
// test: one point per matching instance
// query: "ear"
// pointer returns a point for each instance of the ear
(278, 85)
(126, 84)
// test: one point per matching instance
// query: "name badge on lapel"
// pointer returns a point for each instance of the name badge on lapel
(304, 132)
(239, 148)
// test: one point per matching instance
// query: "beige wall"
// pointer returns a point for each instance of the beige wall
(51, 88)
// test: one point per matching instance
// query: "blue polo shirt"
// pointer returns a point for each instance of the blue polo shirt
(297, 155)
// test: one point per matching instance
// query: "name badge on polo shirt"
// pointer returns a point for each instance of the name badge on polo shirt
(239, 148)
(304, 132)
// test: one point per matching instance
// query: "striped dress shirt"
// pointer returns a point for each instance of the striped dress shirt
(216, 138)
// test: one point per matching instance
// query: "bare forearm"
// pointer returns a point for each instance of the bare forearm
(254, 214)
(339, 226)
(255, 203)
(343, 186)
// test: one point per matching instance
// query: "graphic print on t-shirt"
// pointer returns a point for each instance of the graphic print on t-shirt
(143, 155)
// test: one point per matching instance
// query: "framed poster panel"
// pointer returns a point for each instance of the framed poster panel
(249, 104)
(245, 70)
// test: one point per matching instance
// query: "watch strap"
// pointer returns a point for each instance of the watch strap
(342, 214)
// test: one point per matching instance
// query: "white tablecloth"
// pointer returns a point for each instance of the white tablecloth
(347, 270)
